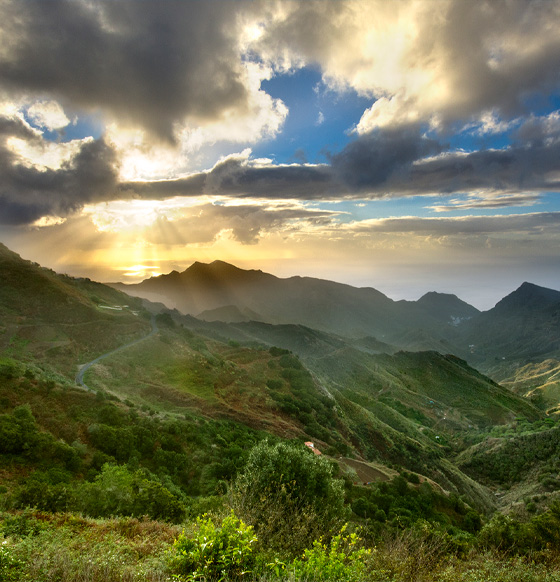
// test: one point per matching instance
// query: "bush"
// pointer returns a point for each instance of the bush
(289, 495)
(342, 560)
(505, 534)
(42, 496)
(215, 553)
(118, 491)
(10, 566)
(18, 431)
(21, 525)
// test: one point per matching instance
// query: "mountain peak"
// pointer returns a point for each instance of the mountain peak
(528, 296)
(220, 269)
(446, 306)
(432, 296)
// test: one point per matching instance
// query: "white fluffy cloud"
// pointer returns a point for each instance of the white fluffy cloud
(435, 62)
(48, 114)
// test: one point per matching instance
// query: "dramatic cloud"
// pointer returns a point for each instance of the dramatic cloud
(383, 163)
(147, 62)
(487, 201)
(429, 61)
(147, 128)
(28, 193)
(383, 157)
(238, 175)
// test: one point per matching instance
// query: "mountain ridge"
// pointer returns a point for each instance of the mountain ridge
(521, 328)
(318, 303)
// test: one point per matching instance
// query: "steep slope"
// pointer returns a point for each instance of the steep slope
(433, 389)
(269, 388)
(401, 409)
(522, 328)
(441, 392)
(58, 321)
(520, 461)
(539, 382)
(446, 307)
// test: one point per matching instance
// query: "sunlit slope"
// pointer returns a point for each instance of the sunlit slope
(269, 388)
(438, 390)
(540, 382)
(288, 380)
(522, 328)
(60, 321)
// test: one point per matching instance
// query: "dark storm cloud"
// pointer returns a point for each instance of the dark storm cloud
(235, 176)
(148, 63)
(364, 168)
(384, 163)
(28, 193)
(376, 159)
(381, 164)
(517, 168)
(15, 127)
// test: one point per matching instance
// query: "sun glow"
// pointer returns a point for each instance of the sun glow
(140, 271)
(129, 216)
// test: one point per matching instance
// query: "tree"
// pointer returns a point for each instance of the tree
(289, 495)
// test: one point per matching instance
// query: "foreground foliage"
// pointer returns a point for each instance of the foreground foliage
(289, 496)
(224, 553)
(44, 547)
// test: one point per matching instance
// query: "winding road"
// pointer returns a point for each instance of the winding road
(86, 367)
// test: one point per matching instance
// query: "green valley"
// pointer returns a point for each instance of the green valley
(426, 466)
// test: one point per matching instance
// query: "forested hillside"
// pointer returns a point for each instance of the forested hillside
(421, 469)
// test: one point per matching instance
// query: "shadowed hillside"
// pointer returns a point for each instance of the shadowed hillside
(522, 328)
(211, 290)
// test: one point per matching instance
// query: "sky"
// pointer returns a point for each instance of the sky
(408, 146)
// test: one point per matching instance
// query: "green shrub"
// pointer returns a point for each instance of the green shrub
(545, 528)
(505, 534)
(10, 566)
(119, 491)
(21, 525)
(43, 496)
(289, 495)
(341, 560)
(9, 369)
(275, 384)
(215, 553)
(18, 431)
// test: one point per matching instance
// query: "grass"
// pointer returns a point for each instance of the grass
(43, 547)
(68, 548)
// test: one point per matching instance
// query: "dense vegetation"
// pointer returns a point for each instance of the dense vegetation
(94, 501)
(186, 459)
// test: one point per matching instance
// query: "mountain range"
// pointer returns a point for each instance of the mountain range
(522, 328)
(222, 291)
(298, 358)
